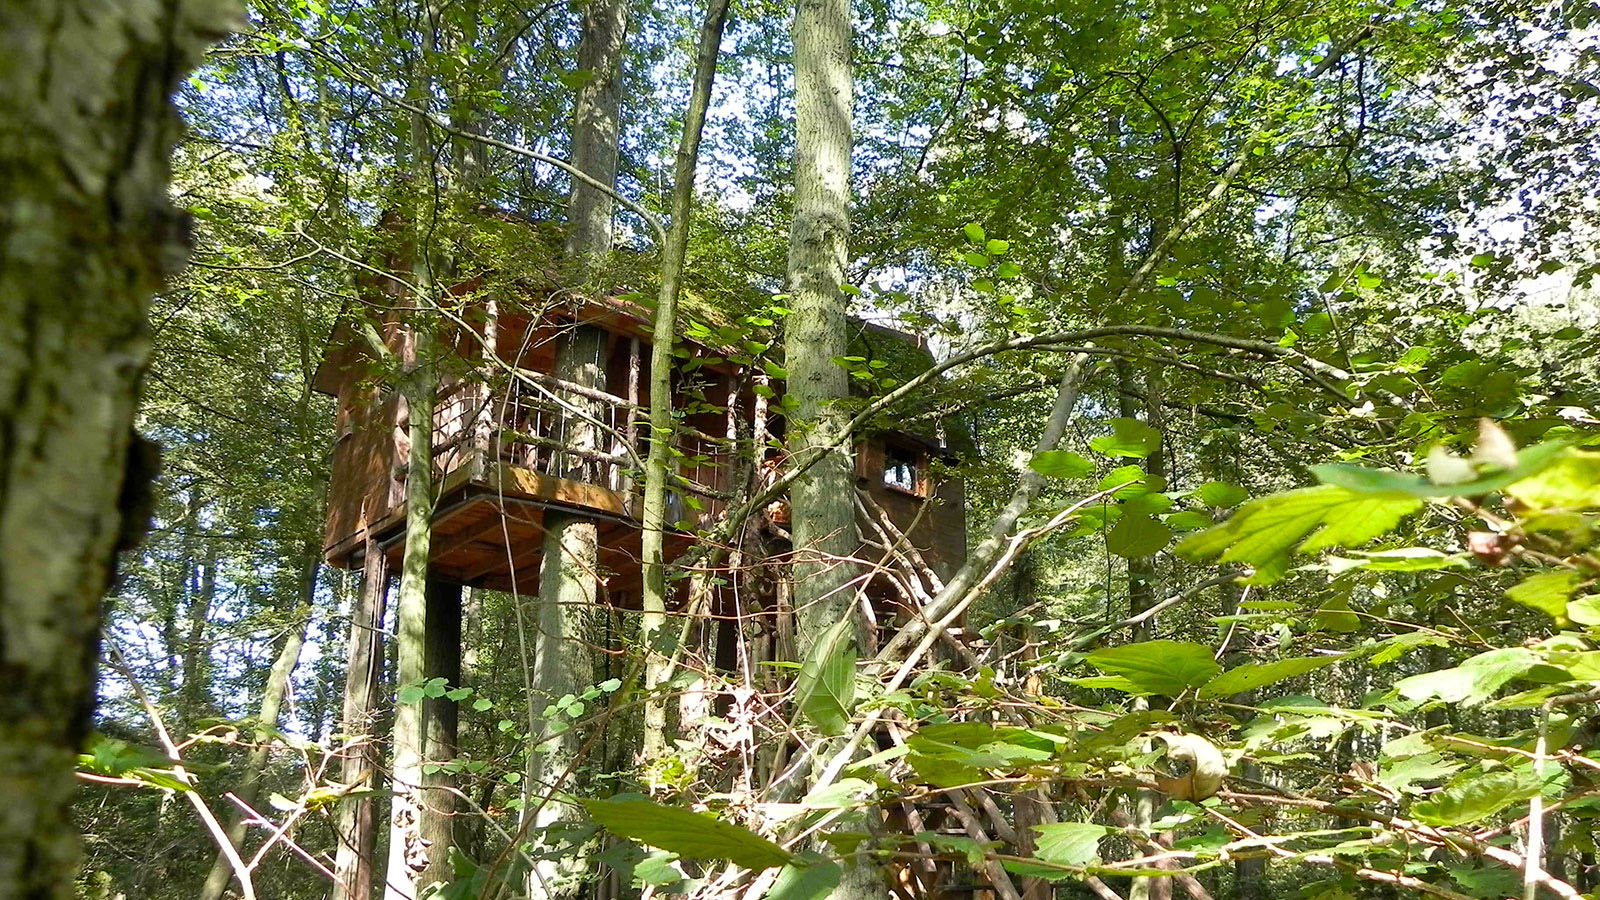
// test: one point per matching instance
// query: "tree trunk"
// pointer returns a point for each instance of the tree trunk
(653, 601)
(353, 861)
(815, 334)
(596, 121)
(196, 669)
(408, 854)
(277, 687)
(442, 718)
(86, 234)
(568, 592)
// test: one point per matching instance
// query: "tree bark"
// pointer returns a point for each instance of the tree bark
(653, 600)
(568, 592)
(196, 669)
(815, 334)
(815, 331)
(86, 234)
(596, 122)
(358, 837)
(442, 718)
(272, 695)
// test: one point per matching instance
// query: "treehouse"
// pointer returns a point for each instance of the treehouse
(514, 444)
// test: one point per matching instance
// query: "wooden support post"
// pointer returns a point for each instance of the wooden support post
(356, 824)
(485, 450)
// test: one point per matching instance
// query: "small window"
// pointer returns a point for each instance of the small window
(902, 469)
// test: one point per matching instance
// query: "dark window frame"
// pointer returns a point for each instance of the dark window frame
(900, 461)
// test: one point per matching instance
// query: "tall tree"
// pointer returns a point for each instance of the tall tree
(653, 600)
(815, 336)
(569, 572)
(87, 233)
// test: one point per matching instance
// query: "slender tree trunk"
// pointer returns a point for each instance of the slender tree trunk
(652, 621)
(86, 234)
(358, 837)
(195, 689)
(408, 855)
(815, 334)
(442, 719)
(568, 593)
(596, 122)
(272, 696)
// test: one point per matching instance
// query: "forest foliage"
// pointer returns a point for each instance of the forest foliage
(1304, 601)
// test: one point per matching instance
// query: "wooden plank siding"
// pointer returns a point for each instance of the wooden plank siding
(499, 463)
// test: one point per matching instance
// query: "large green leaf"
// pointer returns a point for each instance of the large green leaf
(1546, 592)
(1060, 464)
(1571, 481)
(1474, 681)
(1158, 667)
(812, 881)
(1250, 676)
(1129, 437)
(1476, 795)
(689, 834)
(1530, 462)
(1263, 532)
(1221, 494)
(1070, 843)
(1138, 535)
(826, 685)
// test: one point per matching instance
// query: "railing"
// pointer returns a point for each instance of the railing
(541, 424)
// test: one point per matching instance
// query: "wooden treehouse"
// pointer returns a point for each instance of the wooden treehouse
(513, 445)
(504, 458)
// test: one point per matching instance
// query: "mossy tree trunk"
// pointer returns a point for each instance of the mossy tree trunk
(815, 334)
(87, 233)
(568, 594)
(353, 859)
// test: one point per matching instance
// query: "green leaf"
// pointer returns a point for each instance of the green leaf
(1401, 775)
(1254, 675)
(1403, 559)
(826, 684)
(1571, 481)
(481, 704)
(1546, 592)
(1136, 536)
(1530, 462)
(411, 693)
(1129, 438)
(1060, 464)
(997, 247)
(973, 232)
(689, 834)
(1335, 615)
(1472, 682)
(657, 869)
(1158, 667)
(1189, 520)
(1476, 796)
(1070, 843)
(1133, 480)
(1585, 610)
(1264, 531)
(805, 882)
(1221, 494)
